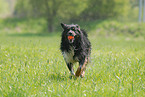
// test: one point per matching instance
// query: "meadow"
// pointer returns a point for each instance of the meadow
(32, 65)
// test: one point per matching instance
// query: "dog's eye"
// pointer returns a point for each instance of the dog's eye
(73, 28)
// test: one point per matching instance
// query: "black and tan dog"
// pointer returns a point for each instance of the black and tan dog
(75, 47)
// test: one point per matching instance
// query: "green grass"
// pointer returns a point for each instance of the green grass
(33, 66)
(31, 63)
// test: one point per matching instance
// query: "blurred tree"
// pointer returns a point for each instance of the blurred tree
(22, 9)
(50, 9)
(102, 9)
(72, 10)
(47, 9)
(134, 3)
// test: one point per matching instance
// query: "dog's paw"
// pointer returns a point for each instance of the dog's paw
(72, 76)
(82, 74)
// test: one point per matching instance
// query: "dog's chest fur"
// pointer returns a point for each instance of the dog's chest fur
(69, 56)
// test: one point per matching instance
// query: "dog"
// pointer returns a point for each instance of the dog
(75, 47)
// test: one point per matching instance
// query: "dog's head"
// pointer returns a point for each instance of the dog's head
(71, 32)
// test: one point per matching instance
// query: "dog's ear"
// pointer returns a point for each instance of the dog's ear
(64, 26)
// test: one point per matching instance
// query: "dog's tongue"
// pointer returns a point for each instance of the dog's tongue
(70, 37)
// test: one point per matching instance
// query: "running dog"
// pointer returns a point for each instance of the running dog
(75, 47)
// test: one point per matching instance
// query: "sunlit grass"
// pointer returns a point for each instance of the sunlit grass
(34, 66)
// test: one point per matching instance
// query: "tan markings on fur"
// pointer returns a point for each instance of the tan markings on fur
(83, 73)
(82, 70)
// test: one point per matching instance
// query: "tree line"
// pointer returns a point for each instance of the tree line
(71, 10)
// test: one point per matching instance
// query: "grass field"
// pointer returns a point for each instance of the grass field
(33, 66)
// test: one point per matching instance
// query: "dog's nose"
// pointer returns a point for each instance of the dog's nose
(70, 34)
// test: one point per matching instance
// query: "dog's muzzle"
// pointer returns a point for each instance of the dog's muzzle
(71, 36)
(71, 39)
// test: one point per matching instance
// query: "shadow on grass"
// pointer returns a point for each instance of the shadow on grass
(58, 77)
(63, 77)
(33, 34)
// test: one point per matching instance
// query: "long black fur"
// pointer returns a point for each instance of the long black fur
(81, 47)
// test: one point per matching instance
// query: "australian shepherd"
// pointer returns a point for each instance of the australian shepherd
(75, 47)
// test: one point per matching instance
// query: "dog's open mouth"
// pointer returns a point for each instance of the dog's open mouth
(71, 39)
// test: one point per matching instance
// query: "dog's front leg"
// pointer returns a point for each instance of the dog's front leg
(81, 69)
(70, 67)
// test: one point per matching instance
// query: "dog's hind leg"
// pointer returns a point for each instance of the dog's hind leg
(70, 67)
(81, 69)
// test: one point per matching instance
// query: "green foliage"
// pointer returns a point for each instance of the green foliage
(34, 66)
(15, 25)
(4, 9)
(103, 9)
(23, 9)
(74, 10)
(113, 28)
(122, 7)
(50, 9)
